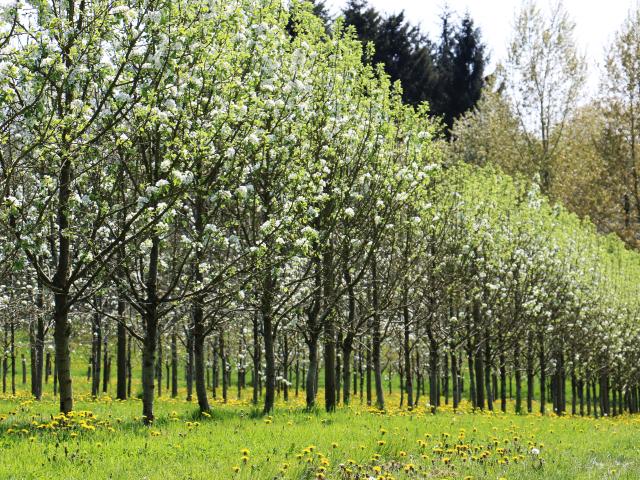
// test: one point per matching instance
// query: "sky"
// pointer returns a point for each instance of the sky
(596, 22)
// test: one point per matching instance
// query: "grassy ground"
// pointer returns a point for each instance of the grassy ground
(105, 439)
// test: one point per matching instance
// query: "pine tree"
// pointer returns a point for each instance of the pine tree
(469, 61)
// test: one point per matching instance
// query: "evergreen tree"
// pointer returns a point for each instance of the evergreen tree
(444, 95)
(469, 61)
(448, 75)
(364, 19)
(406, 55)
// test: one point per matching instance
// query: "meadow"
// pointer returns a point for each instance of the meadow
(105, 438)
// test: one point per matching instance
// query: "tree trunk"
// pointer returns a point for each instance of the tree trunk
(38, 350)
(543, 368)
(174, 365)
(369, 370)
(408, 381)
(121, 355)
(516, 367)
(268, 333)
(224, 367)
(472, 383)
(330, 388)
(487, 369)
(454, 380)
(312, 372)
(330, 379)
(96, 355)
(148, 365)
(377, 339)
(433, 371)
(347, 349)
(256, 359)
(199, 351)
(503, 381)
(129, 367)
(480, 387)
(150, 339)
(190, 362)
(105, 364)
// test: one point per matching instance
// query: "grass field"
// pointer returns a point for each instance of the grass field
(105, 439)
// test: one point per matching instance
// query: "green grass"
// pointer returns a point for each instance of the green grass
(111, 442)
(181, 445)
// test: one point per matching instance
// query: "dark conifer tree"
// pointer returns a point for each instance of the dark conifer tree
(469, 62)
(444, 94)
(364, 19)
(448, 75)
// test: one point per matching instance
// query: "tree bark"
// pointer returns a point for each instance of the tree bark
(96, 348)
(174, 365)
(347, 350)
(268, 333)
(150, 339)
(121, 355)
(543, 368)
(377, 339)
(312, 373)
(408, 381)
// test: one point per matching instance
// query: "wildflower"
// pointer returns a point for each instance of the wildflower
(535, 451)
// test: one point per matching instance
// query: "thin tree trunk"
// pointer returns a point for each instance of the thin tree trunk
(347, 349)
(105, 364)
(174, 365)
(121, 355)
(199, 352)
(408, 382)
(190, 361)
(377, 339)
(518, 373)
(312, 373)
(96, 354)
(268, 333)
(150, 339)
(543, 368)
(256, 359)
